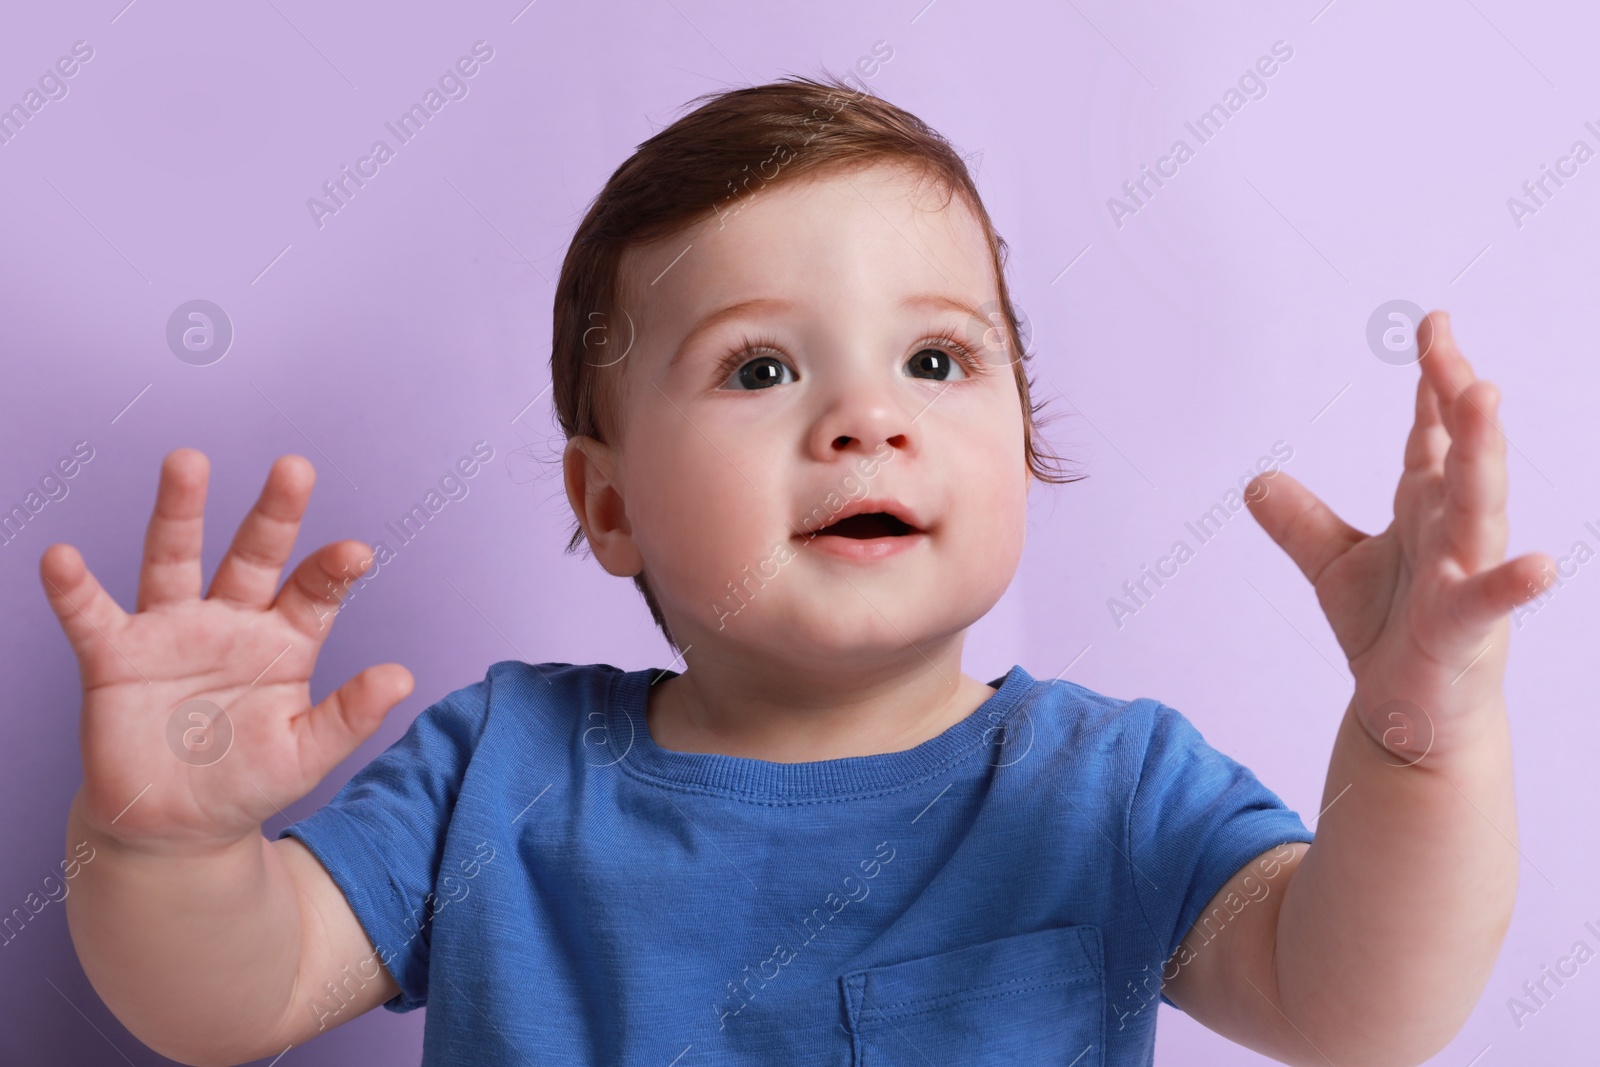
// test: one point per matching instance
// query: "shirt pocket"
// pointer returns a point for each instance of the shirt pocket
(1036, 998)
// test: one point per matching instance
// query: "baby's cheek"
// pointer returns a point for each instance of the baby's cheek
(698, 534)
(993, 509)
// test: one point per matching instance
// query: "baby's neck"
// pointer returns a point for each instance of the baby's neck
(794, 724)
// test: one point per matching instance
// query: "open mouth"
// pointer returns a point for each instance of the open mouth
(866, 526)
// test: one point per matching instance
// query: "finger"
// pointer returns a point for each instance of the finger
(1301, 524)
(1475, 480)
(171, 569)
(318, 587)
(1428, 441)
(82, 606)
(1443, 364)
(249, 573)
(329, 732)
(1482, 599)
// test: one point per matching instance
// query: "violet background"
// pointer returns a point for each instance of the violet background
(1228, 314)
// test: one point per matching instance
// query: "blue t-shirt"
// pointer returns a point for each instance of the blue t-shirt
(557, 888)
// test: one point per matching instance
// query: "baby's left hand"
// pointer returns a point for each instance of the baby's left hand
(1420, 609)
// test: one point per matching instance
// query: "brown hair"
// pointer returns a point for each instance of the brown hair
(667, 185)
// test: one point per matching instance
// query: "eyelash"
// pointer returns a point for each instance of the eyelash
(748, 345)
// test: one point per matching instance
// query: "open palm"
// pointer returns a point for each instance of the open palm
(1420, 605)
(161, 767)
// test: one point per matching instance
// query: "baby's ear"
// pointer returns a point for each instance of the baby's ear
(588, 471)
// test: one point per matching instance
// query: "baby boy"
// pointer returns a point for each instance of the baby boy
(798, 415)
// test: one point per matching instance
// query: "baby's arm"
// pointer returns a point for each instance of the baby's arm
(205, 939)
(219, 955)
(1382, 940)
(1372, 945)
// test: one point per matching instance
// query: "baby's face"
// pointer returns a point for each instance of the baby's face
(731, 457)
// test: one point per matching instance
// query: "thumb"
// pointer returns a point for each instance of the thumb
(348, 716)
(82, 606)
(1302, 525)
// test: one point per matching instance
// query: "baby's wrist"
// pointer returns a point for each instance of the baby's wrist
(99, 836)
(1429, 734)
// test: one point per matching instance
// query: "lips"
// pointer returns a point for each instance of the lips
(861, 527)
(869, 519)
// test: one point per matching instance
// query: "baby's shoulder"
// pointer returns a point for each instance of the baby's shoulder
(1074, 717)
(1092, 737)
(561, 684)
(541, 702)
(551, 694)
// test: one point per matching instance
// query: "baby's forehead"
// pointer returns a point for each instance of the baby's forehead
(869, 235)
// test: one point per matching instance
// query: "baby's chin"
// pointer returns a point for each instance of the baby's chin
(824, 630)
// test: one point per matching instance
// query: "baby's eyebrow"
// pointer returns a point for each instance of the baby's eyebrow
(752, 306)
(759, 304)
(941, 302)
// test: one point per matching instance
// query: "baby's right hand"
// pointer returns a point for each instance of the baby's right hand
(161, 772)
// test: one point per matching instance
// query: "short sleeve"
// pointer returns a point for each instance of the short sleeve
(1196, 818)
(381, 837)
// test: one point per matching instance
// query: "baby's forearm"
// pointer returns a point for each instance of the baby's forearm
(1391, 925)
(196, 954)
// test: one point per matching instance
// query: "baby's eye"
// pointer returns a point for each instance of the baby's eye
(935, 364)
(760, 373)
